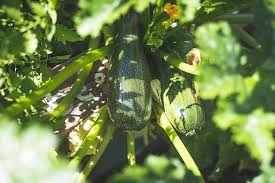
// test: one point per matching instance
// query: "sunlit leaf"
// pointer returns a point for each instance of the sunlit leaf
(220, 60)
(189, 9)
(253, 130)
(64, 34)
(94, 14)
(32, 150)
(155, 169)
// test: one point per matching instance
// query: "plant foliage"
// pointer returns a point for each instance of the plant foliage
(235, 77)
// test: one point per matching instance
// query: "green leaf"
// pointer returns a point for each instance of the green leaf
(206, 140)
(253, 130)
(218, 45)
(15, 3)
(268, 175)
(31, 42)
(220, 57)
(46, 73)
(229, 155)
(94, 14)
(29, 156)
(189, 9)
(270, 4)
(156, 32)
(155, 169)
(13, 13)
(64, 34)
(142, 5)
(12, 43)
(51, 9)
(38, 8)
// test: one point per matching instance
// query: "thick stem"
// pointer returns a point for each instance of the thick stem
(23, 103)
(203, 16)
(251, 41)
(237, 18)
(91, 136)
(65, 103)
(178, 144)
(131, 148)
(101, 148)
(178, 63)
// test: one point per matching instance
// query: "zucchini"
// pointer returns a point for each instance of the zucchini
(180, 101)
(129, 96)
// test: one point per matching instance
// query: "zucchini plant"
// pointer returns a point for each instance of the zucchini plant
(167, 62)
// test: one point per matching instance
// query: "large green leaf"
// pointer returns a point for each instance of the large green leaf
(93, 14)
(29, 157)
(253, 130)
(155, 169)
(220, 60)
(189, 9)
(64, 34)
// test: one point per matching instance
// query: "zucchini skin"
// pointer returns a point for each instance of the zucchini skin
(182, 107)
(129, 96)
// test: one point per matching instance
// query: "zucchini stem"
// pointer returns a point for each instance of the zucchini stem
(219, 10)
(91, 136)
(237, 18)
(247, 38)
(65, 103)
(178, 144)
(131, 148)
(100, 150)
(178, 63)
(23, 103)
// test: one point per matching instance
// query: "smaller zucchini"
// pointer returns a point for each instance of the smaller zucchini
(180, 101)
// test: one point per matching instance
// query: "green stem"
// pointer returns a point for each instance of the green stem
(94, 159)
(237, 18)
(251, 41)
(178, 144)
(159, 8)
(178, 63)
(131, 148)
(98, 139)
(64, 104)
(23, 103)
(202, 16)
(91, 136)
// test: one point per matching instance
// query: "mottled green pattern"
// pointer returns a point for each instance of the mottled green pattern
(129, 99)
(180, 102)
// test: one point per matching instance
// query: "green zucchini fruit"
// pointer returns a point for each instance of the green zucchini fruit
(181, 105)
(129, 99)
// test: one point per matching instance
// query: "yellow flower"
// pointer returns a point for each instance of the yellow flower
(172, 10)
